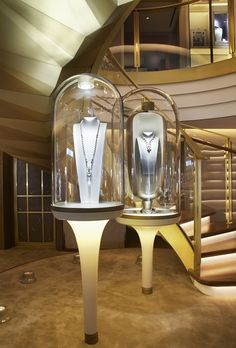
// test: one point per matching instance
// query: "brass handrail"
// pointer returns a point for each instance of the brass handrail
(228, 183)
(219, 147)
(197, 216)
(203, 129)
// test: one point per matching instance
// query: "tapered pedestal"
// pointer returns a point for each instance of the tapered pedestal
(88, 237)
(147, 231)
(147, 236)
(147, 228)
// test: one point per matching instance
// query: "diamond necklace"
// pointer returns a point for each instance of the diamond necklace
(148, 142)
(89, 164)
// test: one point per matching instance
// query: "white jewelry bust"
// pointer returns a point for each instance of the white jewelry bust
(146, 156)
(89, 139)
(146, 142)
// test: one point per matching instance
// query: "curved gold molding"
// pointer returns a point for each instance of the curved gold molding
(183, 75)
(156, 8)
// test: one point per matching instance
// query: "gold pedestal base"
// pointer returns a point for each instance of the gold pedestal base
(91, 338)
(147, 291)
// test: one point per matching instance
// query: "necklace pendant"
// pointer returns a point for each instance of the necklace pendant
(149, 148)
(89, 173)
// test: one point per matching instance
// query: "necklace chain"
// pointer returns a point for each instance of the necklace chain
(89, 164)
(147, 142)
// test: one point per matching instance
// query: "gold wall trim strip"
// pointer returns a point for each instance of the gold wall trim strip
(231, 24)
(228, 183)
(136, 41)
(197, 215)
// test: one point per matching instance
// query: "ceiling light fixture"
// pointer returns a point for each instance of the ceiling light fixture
(85, 82)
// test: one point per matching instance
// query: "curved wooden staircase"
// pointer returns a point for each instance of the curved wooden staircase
(218, 257)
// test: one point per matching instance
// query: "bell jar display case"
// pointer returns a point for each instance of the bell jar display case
(152, 158)
(88, 149)
(88, 172)
(152, 175)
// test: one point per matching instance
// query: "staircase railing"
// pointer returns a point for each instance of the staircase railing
(228, 182)
(221, 142)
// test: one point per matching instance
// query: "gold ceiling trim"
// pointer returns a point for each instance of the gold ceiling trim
(156, 8)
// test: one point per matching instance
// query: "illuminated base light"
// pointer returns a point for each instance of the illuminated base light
(76, 259)
(223, 291)
(146, 235)
(27, 277)
(88, 237)
(3, 315)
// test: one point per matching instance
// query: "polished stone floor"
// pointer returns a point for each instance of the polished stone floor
(49, 312)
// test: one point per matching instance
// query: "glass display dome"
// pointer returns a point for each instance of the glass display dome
(88, 149)
(152, 153)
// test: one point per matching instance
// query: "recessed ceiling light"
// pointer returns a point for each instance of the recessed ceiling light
(148, 18)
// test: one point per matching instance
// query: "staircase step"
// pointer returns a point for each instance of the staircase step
(219, 243)
(213, 152)
(219, 252)
(213, 184)
(213, 194)
(214, 158)
(216, 166)
(219, 268)
(216, 204)
(188, 227)
(215, 283)
(216, 175)
(209, 229)
(221, 227)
